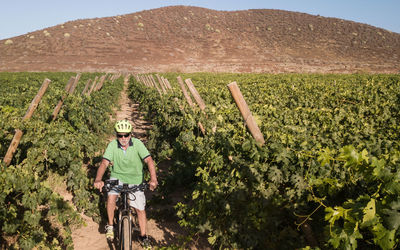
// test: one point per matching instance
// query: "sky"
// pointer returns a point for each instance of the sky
(18, 17)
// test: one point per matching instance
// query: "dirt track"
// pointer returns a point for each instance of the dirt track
(162, 232)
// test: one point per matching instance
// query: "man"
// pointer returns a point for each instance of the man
(127, 155)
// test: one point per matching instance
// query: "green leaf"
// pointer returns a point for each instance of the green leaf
(195, 194)
(325, 156)
(369, 212)
(283, 156)
(392, 218)
(333, 215)
(246, 146)
(62, 144)
(350, 155)
(334, 241)
(212, 239)
(364, 155)
(378, 165)
(383, 237)
(275, 174)
(395, 205)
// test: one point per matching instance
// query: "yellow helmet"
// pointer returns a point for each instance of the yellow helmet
(123, 126)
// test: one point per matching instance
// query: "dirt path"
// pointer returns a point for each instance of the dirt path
(162, 232)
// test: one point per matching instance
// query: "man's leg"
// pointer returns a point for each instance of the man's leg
(143, 238)
(111, 200)
(142, 221)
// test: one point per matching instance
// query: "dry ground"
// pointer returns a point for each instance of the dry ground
(162, 231)
(193, 39)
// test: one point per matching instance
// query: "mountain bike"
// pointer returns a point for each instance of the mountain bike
(126, 216)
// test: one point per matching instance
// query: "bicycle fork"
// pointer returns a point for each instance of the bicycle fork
(125, 225)
(125, 231)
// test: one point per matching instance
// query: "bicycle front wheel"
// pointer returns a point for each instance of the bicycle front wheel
(126, 241)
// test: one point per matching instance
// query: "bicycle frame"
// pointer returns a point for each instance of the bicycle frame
(126, 215)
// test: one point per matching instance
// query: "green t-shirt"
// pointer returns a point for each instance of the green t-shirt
(127, 165)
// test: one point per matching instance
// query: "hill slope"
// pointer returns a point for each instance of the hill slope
(183, 38)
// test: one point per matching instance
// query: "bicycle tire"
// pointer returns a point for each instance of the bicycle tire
(126, 241)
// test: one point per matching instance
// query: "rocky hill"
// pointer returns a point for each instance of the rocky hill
(189, 39)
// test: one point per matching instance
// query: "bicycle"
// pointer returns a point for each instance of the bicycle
(126, 219)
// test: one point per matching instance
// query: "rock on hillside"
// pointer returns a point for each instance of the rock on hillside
(188, 39)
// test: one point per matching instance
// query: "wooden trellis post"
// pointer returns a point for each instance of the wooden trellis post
(86, 86)
(195, 94)
(164, 90)
(185, 93)
(100, 84)
(115, 76)
(144, 80)
(154, 83)
(148, 81)
(246, 113)
(93, 85)
(68, 87)
(189, 100)
(166, 83)
(136, 77)
(18, 133)
(140, 79)
(72, 89)
(162, 82)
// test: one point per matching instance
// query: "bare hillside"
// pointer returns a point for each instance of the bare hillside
(188, 39)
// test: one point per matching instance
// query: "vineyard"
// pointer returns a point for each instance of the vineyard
(330, 159)
(325, 174)
(51, 153)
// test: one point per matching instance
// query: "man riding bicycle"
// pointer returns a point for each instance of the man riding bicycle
(127, 155)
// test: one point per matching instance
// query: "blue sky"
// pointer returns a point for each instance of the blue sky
(19, 17)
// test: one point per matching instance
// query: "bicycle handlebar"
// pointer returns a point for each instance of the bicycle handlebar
(113, 184)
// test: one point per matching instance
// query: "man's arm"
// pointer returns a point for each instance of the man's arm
(98, 183)
(152, 169)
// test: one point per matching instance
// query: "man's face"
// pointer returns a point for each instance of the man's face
(124, 138)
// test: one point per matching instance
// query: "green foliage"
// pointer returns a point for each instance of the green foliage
(239, 190)
(373, 214)
(32, 213)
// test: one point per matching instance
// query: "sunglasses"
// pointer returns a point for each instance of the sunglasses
(124, 135)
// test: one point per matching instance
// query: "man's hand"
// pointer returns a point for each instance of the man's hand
(153, 184)
(152, 169)
(99, 185)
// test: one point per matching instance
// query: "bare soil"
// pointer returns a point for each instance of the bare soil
(193, 39)
(163, 229)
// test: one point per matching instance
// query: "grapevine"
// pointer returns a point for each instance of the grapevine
(33, 215)
(331, 143)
